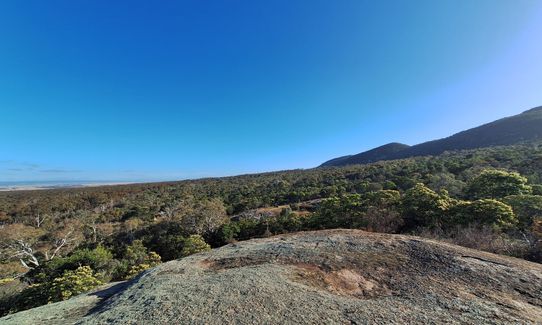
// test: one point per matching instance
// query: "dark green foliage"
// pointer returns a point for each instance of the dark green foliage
(136, 253)
(484, 211)
(229, 232)
(61, 278)
(98, 259)
(526, 208)
(448, 171)
(383, 198)
(382, 211)
(498, 184)
(338, 212)
(424, 207)
(136, 259)
(140, 212)
(165, 238)
(193, 245)
(251, 229)
(537, 189)
(286, 222)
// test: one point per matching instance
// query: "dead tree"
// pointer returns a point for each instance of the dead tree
(24, 252)
(39, 219)
(58, 244)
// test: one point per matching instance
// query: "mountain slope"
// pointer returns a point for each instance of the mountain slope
(370, 156)
(526, 126)
(331, 277)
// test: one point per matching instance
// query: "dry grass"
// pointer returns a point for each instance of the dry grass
(482, 238)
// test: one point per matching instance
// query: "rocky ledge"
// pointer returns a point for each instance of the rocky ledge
(331, 277)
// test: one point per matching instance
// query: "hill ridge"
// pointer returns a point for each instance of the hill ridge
(523, 127)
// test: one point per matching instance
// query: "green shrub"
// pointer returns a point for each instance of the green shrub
(99, 259)
(229, 232)
(384, 198)
(526, 208)
(136, 253)
(72, 283)
(193, 245)
(150, 261)
(485, 211)
(284, 223)
(498, 184)
(136, 270)
(136, 259)
(338, 212)
(424, 207)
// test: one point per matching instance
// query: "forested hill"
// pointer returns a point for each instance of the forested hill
(526, 126)
(373, 155)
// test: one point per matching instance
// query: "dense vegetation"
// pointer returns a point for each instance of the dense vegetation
(526, 126)
(58, 243)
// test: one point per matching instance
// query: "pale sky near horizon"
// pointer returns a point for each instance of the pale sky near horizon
(143, 91)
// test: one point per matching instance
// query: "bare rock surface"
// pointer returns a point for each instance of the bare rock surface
(324, 277)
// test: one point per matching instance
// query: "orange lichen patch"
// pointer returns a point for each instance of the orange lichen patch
(350, 282)
(206, 264)
(341, 282)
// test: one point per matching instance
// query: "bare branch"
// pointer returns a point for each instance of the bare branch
(59, 244)
(39, 219)
(23, 251)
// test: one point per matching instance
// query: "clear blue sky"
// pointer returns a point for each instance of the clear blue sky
(153, 90)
